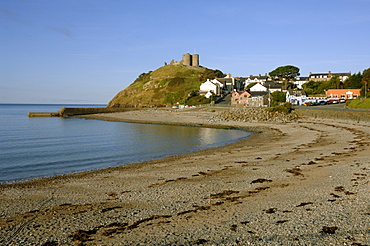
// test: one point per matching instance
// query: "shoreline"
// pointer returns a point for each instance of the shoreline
(290, 183)
(102, 116)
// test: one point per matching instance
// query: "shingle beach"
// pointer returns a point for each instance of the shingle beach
(304, 182)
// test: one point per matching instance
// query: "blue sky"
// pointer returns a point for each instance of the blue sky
(86, 51)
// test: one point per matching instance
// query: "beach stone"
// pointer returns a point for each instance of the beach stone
(254, 115)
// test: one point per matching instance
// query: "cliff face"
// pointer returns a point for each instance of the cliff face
(165, 86)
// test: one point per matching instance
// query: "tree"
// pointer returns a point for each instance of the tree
(211, 74)
(219, 73)
(335, 83)
(366, 82)
(287, 73)
(353, 82)
(311, 87)
(278, 96)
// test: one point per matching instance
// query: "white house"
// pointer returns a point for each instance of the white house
(210, 86)
(208, 94)
(215, 81)
(327, 76)
(296, 97)
(272, 86)
(257, 87)
(228, 82)
(259, 78)
(299, 81)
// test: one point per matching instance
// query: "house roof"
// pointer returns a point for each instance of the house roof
(225, 79)
(330, 73)
(302, 78)
(342, 91)
(241, 92)
(297, 92)
(258, 93)
(272, 85)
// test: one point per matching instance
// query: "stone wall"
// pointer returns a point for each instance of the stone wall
(331, 114)
(253, 115)
(83, 111)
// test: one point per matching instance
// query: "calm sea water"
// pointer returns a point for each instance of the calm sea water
(40, 147)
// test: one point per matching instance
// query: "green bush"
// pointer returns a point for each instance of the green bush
(284, 108)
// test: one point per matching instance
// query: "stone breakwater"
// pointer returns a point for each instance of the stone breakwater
(254, 115)
(64, 112)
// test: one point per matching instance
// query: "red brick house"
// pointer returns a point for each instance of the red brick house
(240, 97)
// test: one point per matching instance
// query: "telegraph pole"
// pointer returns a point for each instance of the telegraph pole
(269, 97)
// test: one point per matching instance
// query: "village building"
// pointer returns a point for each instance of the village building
(272, 86)
(346, 94)
(257, 87)
(296, 97)
(213, 86)
(257, 79)
(299, 81)
(327, 76)
(228, 82)
(259, 98)
(240, 97)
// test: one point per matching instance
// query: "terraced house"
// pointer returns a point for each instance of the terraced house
(327, 76)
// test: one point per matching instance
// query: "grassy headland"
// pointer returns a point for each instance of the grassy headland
(166, 85)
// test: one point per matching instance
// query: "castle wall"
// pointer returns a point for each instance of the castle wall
(195, 60)
(186, 59)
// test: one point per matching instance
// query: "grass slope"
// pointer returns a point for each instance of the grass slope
(165, 86)
(359, 103)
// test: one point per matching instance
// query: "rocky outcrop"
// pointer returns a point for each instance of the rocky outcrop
(254, 115)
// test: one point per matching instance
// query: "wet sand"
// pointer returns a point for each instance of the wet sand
(302, 183)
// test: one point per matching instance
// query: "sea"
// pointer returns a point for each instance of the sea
(33, 148)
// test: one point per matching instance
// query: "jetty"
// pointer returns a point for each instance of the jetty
(65, 112)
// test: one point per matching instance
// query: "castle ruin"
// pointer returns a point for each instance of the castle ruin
(187, 60)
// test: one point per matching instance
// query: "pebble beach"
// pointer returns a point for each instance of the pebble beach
(298, 181)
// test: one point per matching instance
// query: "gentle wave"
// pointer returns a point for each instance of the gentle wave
(41, 147)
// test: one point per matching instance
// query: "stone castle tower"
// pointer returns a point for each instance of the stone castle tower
(187, 60)
(190, 60)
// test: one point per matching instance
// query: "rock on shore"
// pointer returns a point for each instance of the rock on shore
(254, 115)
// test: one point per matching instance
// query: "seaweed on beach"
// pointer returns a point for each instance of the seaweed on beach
(261, 180)
(295, 171)
(83, 236)
(329, 229)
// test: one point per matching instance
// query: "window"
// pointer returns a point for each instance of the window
(342, 96)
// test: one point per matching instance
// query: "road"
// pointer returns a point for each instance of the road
(225, 102)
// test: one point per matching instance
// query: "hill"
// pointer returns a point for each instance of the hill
(165, 86)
